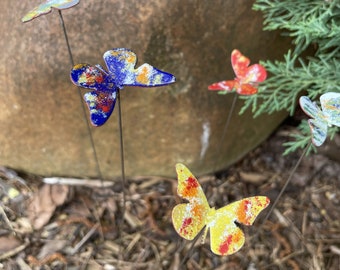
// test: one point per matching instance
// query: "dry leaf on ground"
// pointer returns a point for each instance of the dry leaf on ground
(44, 203)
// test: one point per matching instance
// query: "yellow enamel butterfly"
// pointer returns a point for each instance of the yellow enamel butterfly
(189, 219)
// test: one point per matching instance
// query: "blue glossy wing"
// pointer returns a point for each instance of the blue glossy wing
(330, 104)
(318, 125)
(121, 65)
(101, 105)
(100, 102)
(92, 77)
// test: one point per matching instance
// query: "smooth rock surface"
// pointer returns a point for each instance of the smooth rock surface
(43, 129)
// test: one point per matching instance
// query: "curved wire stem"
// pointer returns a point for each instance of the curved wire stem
(95, 156)
(190, 251)
(285, 185)
(224, 133)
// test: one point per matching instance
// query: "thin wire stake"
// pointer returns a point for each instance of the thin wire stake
(121, 148)
(190, 251)
(120, 124)
(62, 23)
(224, 133)
(100, 175)
(285, 185)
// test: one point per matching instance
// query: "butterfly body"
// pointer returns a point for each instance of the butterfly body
(328, 115)
(47, 6)
(247, 77)
(121, 72)
(190, 218)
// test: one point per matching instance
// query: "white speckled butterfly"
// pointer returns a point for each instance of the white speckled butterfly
(47, 6)
(328, 115)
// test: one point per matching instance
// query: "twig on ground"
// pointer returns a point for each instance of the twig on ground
(77, 182)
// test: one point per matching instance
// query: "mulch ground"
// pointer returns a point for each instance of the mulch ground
(76, 226)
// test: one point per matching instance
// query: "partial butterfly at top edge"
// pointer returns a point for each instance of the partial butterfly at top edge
(247, 77)
(188, 219)
(47, 6)
(328, 115)
(121, 72)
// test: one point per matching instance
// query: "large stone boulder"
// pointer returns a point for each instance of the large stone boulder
(43, 129)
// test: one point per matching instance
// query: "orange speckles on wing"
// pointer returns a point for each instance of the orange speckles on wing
(242, 211)
(249, 208)
(191, 188)
(131, 59)
(143, 77)
(197, 210)
(115, 52)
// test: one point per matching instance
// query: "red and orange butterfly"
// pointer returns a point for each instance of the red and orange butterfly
(247, 77)
(189, 219)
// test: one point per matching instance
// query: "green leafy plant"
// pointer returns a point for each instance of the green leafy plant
(312, 24)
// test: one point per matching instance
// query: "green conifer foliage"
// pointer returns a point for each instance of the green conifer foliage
(311, 24)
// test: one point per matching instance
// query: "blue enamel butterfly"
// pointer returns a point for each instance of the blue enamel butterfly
(120, 63)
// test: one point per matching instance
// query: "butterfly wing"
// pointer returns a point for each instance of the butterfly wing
(189, 218)
(241, 89)
(254, 74)
(223, 86)
(240, 63)
(91, 77)
(318, 129)
(330, 104)
(62, 4)
(318, 125)
(225, 236)
(246, 89)
(101, 105)
(121, 65)
(46, 7)
(100, 102)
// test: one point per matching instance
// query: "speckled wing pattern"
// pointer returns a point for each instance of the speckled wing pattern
(120, 63)
(247, 77)
(189, 219)
(328, 115)
(226, 237)
(330, 104)
(102, 100)
(47, 6)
